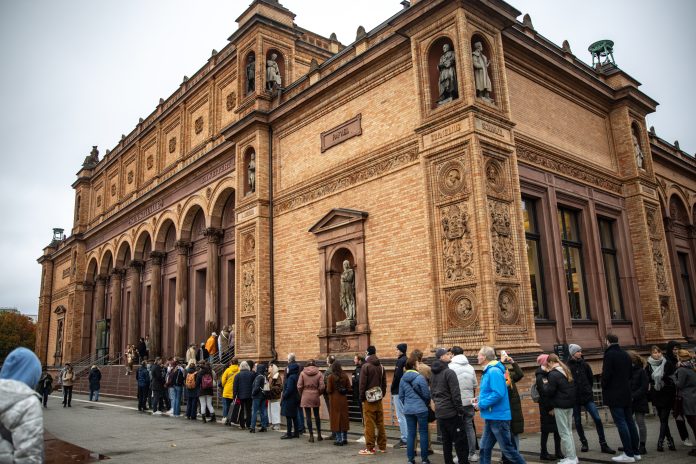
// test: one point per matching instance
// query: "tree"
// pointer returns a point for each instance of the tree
(15, 330)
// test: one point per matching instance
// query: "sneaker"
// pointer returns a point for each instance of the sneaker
(474, 457)
(568, 461)
(382, 451)
(623, 458)
(157, 413)
(687, 442)
(400, 444)
(637, 457)
(360, 440)
(366, 452)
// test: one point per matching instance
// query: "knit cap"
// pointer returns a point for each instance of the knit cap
(542, 359)
(573, 348)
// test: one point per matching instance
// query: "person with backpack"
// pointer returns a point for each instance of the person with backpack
(276, 385)
(414, 396)
(339, 387)
(449, 411)
(260, 389)
(94, 378)
(241, 390)
(45, 385)
(175, 382)
(142, 377)
(226, 381)
(191, 386)
(548, 421)
(205, 381)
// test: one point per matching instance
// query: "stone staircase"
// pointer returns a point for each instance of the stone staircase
(114, 382)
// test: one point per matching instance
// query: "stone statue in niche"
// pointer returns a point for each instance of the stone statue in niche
(481, 78)
(640, 157)
(251, 173)
(347, 299)
(251, 74)
(448, 76)
(273, 79)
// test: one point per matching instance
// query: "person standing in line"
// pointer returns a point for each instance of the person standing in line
(358, 361)
(142, 349)
(548, 421)
(241, 390)
(686, 386)
(311, 385)
(190, 354)
(68, 381)
(178, 377)
(672, 355)
(425, 370)
(339, 387)
(398, 405)
(373, 386)
(639, 397)
(290, 400)
(616, 393)
(513, 375)
(202, 353)
(559, 388)
(147, 348)
(300, 424)
(191, 385)
(414, 396)
(494, 405)
(142, 377)
(94, 378)
(227, 381)
(212, 347)
(466, 376)
(157, 386)
(330, 359)
(45, 385)
(449, 411)
(21, 417)
(661, 393)
(276, 385)
(205, 381)
(130, 359)
(258, 397)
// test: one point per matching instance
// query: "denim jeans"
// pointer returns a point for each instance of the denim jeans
(498, 431)
(400, 417)
(591, 408)
(226, 403)
(191, 405)
(623, 418)
(259, 407)
(175, 397)
(421, 421)
(94, 393)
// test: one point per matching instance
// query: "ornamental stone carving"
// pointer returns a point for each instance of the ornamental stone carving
(507, 307)
(249, 245)
(249, 332)
(198, 125)
(502, 243)
(461, 309)
(494, 177)
(99, 201)
(248, 288)
(149, 162)
(130, 177)
(172, 145)
(231, 98)
(450, 178)
(652, 223)
(457, 247)
(113, 190)
(659, 262)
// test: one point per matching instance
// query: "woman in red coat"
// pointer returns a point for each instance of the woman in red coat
(339, 386)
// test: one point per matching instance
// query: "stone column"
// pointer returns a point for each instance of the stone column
(88, 305)
(99, 298)
(115, 328)
(155, 303)
(44, 323)
(211, 282)
(181, 308)
(134, 304)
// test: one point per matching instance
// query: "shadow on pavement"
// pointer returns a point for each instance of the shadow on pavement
(58, 451)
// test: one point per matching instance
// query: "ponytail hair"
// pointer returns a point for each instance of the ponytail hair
(553, 358)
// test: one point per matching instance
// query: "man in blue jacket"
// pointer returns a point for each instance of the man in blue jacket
(495, 409)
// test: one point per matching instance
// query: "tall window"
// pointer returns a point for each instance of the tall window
(531, 232)
(572, 263)
(611, 267)
(686, 284)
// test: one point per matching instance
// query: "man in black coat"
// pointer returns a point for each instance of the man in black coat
(398, 405)
(582, 374)
(157, 386)
(616, 393)
(449, 411)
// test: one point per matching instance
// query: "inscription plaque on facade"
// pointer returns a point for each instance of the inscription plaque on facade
(340, 134)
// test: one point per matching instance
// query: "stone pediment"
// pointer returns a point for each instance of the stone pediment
(60, 310)
(337, 218)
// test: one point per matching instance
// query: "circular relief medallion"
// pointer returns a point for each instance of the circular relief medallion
(462, 309)
(494, 178)
(249, 244)
(507, 307)
(130, 177)
(451, 178)
(249, 332)
(113, 190)
(150, 162)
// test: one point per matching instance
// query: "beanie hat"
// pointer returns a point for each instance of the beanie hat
(22, 365)
(402, 347)
(573, 348)
(371, 350)
(684, 355)
(541, 359)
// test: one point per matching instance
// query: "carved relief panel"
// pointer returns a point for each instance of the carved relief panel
(502, 241)
(457, 246)
(249, 286)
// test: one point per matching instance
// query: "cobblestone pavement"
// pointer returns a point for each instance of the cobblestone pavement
(114, 428)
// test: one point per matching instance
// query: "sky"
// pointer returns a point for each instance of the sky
(77, 73)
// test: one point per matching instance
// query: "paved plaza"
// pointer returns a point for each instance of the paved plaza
(115, 429)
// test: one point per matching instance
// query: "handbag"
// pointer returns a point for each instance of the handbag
(431, 413)
(374, 394)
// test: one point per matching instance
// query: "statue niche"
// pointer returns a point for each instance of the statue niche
(442, 72)
(343, 290)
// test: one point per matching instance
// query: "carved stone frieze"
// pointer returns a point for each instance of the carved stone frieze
(508, 306)
(341, 345)
(249, 245)
(501, 239)
(659, 263)
(113, 190)
(248, 288)
(457, 247)
(652, 222)
(99, 201)
(130, 177)
(450, 178)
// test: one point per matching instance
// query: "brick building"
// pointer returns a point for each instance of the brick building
(531, 210)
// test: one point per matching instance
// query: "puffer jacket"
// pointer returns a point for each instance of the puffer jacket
(241, 386)
(445, 392)
(466, 377)
(514, 375)
(686, 384)
(414, 393)
(227, 380)
(21, 415)
(493, 397)
(560, 392)
(583, 378)
(311, 386)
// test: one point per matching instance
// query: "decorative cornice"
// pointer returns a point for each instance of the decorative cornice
(347, 178)
(565, 167)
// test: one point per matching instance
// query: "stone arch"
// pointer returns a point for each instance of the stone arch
(192, 207)
(163, 229)
(92, 269)
(487, 50)
(124, 253)
(106, 263)
(218, 204)
(143, 245)
(435, 53)
(677, 209)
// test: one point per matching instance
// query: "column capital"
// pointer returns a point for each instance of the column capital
(669, 224)
(183, 247)
(87, 285)
(118, 272)
(137, 264)
(101, 279)
(214, 234)
(157, 257)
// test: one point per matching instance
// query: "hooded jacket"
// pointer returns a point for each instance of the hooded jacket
(445, 391)
(227, 380)
(466, 376)
(259, 381)
(493, 397)
(398, 372)
(290, 399)
(20, 409)
(583, 378)
(95, 376)
(559, 390)
(372, 375)
(311, 386)
(414, 393)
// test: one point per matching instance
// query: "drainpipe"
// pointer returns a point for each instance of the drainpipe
(270, 239)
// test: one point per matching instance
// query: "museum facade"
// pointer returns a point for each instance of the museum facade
(449, 178)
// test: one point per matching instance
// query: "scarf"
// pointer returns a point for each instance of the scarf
(658, 371)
